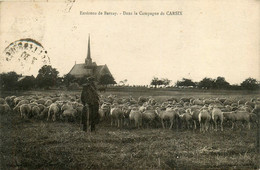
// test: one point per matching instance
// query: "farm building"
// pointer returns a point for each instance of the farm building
(89, 68)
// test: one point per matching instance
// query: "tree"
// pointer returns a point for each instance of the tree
(26, 82)
(123, 82)
(250, 84)
(8, 81)
(185, 82)
(156, 82)
(68, 78)
(106, 79)
(206, 83)
(166, 81)
(221, 83)
(47, 77)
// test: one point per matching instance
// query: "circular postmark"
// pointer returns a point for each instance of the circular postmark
(24, 56)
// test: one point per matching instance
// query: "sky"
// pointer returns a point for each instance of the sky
(210, 38)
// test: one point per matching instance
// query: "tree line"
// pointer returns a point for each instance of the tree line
(49, 77)
(46, 78)
(209, 83)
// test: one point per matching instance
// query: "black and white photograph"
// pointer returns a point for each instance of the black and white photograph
(126, 84)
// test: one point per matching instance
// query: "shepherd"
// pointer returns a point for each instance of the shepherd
(90, 100)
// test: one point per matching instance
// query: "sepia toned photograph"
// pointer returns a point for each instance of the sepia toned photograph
(129, 84)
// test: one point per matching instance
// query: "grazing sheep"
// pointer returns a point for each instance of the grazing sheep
(241, 102)
(244, 117)
(35, 111)
(48, 102)
(253, 119)
(136, 116)
(66, 107)
(126, 112)
(25, 110)
(149, 117)
(198, 102)
(142, 100)
(40, 101)
(252, 104)
(9, 101)
(238, 116)
(186, 119)
(69, 115)
(21, 102)
(229, 117)
(217, 115)
(116, 114)
(4, 109)
(104, 111)
(53, 111)
(2, 101)
(171, 115)
(195, 116)
(204, 119)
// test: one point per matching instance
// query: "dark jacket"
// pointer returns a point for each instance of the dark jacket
(89, 95)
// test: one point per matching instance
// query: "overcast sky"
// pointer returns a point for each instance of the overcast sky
(210, 38)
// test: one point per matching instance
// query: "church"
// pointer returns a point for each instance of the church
(89, 68)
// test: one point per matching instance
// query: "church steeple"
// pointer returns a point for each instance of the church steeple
(88, 60)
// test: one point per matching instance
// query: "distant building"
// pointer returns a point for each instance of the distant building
(89, 68)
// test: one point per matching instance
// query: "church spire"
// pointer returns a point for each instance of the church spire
(88, 55)
(88, 60)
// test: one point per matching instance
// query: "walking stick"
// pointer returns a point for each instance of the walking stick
(87, 118)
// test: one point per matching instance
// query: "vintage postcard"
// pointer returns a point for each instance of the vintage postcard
(161, 84)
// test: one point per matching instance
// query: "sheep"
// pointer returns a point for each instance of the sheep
(41, 101)
(171, 115)
(21, 102)
(69, 115)
(142, 100)
(198, 102)
(238, 116)
(195, 116)
(204, 119)
(217, 115)
(149, 117)
(116, 114)
(5, 109)
(48, 102)
(104, 111)
(252, 104)
(229, 117)
(25, 111)
(8, 100)
(142, 108)
(66, 106)
(241, 102)
(2, 101)
(186, 118)
(253, 119)
(43, 112)
(126, 112)
(136, 115)
(243, 116)
(185, 99)
(35, 111)
(53, 111)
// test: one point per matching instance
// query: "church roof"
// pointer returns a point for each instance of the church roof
(80, 70)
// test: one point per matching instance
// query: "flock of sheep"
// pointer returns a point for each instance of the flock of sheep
(184, 113)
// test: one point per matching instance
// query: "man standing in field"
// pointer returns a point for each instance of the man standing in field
(90, 100)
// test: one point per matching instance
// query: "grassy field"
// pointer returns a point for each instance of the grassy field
(35, 144)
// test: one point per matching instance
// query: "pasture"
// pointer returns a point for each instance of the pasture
(38, 144)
